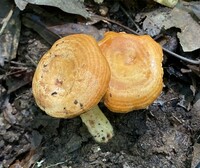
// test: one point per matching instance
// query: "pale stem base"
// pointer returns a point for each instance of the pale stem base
(98, 125)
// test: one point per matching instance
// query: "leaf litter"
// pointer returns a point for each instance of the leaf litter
(165, 18)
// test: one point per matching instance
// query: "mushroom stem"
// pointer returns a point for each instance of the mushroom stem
(98, 125)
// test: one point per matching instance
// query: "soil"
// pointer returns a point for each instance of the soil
(161, 136)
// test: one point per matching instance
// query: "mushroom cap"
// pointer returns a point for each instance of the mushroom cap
(71, 77)
(136, 71)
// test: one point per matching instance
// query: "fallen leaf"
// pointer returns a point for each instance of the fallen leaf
(73, 28)
(28, 160)
(69, 6)
(192, 7)
(190, 31)
(15, 82)
(21, 4)
(152, 22)
(164, 18)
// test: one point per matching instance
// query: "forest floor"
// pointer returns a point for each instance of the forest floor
(165, 135)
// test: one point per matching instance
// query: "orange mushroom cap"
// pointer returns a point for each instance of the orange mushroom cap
(71, 77)
(136, 71)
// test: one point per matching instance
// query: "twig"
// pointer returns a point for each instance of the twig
(57, 164)
(20, 68)
(32, 61)
(130, 18)
(15, 73)
(16, 63)
(191, 61)
(114, 22)
(5, 21)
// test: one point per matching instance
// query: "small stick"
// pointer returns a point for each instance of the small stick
(16, 63)
(16, 72)
(114, 22)
(32, 61)
(5, 21)
(131, 19)
(191, 61)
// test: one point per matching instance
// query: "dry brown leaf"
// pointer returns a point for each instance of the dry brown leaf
(69, 6)
(166, 18)
(190, 29)
(29, 159)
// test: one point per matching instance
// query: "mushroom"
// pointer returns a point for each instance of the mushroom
(136, 71)
(70, 80)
